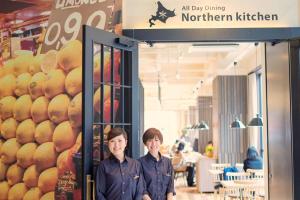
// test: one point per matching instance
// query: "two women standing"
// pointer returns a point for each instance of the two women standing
(122, 178)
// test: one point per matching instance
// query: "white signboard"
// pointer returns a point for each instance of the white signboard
(144, 14)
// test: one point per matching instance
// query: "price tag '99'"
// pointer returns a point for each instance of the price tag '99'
(66, 22)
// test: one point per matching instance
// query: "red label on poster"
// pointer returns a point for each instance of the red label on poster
(67, 18)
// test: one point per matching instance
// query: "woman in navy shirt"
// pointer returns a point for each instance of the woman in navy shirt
(157, 170)
(119, 177)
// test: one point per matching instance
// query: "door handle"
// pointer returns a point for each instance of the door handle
(90, 187)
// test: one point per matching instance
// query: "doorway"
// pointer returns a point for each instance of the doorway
(212, 82)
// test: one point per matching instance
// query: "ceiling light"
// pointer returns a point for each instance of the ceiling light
(256, 121)
(212, 48)
(203, 126)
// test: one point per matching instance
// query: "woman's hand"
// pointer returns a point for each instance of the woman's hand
(170, 196)
(146, 197)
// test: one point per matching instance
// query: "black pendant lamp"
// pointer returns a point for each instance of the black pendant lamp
(256, 121)
(203, 126)
(237, 124)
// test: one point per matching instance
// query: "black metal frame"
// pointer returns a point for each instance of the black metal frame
(213, 34)
(130, 49)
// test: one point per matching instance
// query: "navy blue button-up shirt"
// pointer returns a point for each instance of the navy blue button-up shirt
(119, 181)
(158, 176)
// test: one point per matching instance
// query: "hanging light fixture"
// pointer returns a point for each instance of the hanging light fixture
(237, 124)
(257, 120)
(202, 126)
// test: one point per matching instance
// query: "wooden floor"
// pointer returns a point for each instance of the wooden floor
(183, 192)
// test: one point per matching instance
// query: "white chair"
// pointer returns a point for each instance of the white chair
(256, 173)
(219, 166)
(240, 166)
(232, 176)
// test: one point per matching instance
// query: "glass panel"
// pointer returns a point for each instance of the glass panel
(118, 105)
(97, 104)
(97, 63)
(105, 147)
(127, 105)
(107, 104)
(96, 144)
(117, 64)
(127, 72)
(107, 64)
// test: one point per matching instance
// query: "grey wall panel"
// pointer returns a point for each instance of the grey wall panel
(279, 130)
(229, 101)
(204, 114)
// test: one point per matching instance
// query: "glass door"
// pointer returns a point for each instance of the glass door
(110, 97)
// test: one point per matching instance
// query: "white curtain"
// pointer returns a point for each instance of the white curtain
(252, 110)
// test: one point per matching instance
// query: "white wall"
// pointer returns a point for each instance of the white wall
(168, 122)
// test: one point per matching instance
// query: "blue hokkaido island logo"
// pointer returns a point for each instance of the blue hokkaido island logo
(162, 14)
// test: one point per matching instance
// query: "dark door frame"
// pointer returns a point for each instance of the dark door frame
(130, 48)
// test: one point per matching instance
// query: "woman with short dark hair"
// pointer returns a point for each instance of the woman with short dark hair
(157, 170)
(118, 176)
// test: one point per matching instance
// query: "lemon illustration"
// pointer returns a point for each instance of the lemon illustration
(25, 155)
(39, 109)
(35, 65)
(8, 128)
(22, 84)
(22, 63)
(70, 55)
(36, 85)
(55, 83)
(1, 72)
(45, 156)
(97, 69)
(14, 174)
(33, 194)
(1, 140)
(17, 191)
(48, 180)
(6, 107)
(73, 82)
(9, 151)
(97, 97)
(49, 61)
(31, 176)
(3, 170)
(4, 188)
(64, 136)
(58, 108)
(8, 85)
(25, 131)
(22, 108)
(44, 131)
(48, 196)
(62, 160)
(75, 111)
(8, 67)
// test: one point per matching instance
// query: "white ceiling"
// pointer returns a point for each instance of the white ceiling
(186, 70)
